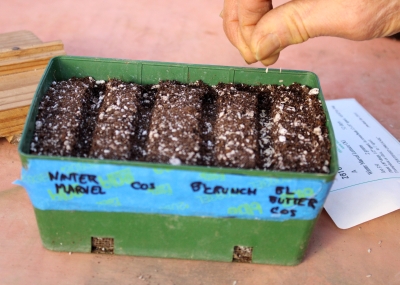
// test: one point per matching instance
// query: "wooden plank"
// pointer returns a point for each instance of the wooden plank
(26, 68)
(30, 58)
(31, 49)
(13, 105)
(15, 39)
(12, 121)
(27, 63)
(14, 139)
(11, 130)
(22, 51)
(17, 90)
(23, 58)
(21, 94)
(11, 114)
(16, 80)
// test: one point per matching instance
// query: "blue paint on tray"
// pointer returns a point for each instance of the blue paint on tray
(69, 185)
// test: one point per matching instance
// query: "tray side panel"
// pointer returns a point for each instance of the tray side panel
(172, 236)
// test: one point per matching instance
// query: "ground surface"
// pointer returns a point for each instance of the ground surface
(191, 32)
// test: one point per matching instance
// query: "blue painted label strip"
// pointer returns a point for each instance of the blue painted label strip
(67, 185)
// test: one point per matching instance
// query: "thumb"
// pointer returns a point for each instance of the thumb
(279, 28)
(298, 20)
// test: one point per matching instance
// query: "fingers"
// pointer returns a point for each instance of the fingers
(298, 20)
(240, 18)
(232, 30)
(292, 23)
(249, 13)
(279, 28)
(230, 20)
(260, 32)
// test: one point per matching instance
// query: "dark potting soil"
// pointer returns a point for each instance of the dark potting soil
(113, 136)
(175, 127)
(64, 112)
(271, 127)
(235, 127)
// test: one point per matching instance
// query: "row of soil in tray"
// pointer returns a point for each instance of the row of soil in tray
(228, 125)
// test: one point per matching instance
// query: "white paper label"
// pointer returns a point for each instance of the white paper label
(368, 182)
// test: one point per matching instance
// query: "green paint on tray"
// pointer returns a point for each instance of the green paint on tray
(173, 236)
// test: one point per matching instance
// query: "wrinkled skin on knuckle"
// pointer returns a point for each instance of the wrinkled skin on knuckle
(298, 29)
(363, 20)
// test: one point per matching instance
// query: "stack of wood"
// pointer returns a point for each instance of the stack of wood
(23, 58)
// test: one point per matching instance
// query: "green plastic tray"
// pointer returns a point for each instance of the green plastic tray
(70, 222)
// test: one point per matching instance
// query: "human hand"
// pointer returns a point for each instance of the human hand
(260, 32)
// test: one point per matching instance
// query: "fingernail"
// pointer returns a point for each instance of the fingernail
(221, 14)
(267, 46)
(248, 62)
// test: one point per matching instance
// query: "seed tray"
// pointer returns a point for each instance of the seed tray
(174, 211)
